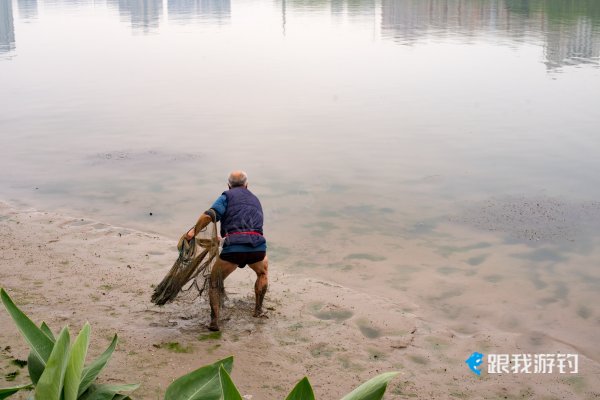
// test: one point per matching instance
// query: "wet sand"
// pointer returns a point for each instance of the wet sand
(428, 316)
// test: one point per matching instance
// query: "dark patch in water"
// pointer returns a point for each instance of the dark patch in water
(584, 312)
(561, 290)
(423, 228)
(587, 278)
(363, 210)
(452, 312)
(542, 255)
(493, 278)
(341, 267)
(364, 256)
(321, 227)
(305, 264)
(534, 277)
(477, 259)
(142, 157)
(533, 219)
(447, 294)
(78, 223)
(278, 253)
(405, 270)
(328, 213)
(447, 270)
(337, 315)
(448, 250)
(536, 339)
(336, 188)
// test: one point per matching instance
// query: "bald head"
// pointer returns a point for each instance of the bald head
(237, 178)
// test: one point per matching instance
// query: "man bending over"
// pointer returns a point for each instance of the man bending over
(241, 216)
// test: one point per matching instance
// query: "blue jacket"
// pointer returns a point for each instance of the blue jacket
(241, 216)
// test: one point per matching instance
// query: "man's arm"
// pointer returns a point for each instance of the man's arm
(203, 221)
(216, 211)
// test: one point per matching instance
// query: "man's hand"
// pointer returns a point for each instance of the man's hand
(190, 235)
(203, 221)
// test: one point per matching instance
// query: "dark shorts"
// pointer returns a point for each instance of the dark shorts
(242, 259)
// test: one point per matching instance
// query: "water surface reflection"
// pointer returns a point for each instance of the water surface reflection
(215, 11)
(28, 9)
(144, 15)
(569, 31)
(7, 27)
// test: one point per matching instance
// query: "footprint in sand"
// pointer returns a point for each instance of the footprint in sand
(367, 329)
(321, 350)
(330, 312)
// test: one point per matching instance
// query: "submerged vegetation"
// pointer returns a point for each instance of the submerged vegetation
(57, 371)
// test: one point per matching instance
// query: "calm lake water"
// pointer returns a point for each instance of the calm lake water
(378, 133)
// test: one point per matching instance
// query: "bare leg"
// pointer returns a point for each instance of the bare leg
(220, 271)
(262, 283)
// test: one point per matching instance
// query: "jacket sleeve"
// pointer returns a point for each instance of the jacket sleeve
(220, 206)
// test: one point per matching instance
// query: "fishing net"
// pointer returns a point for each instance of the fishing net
(193, 266)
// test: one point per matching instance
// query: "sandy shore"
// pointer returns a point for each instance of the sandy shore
(67, 270)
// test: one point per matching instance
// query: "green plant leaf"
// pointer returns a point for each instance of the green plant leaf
(75, 364)
(230, 392)
(121, 397)
(373, 389)
(302, 391)
(50, 385)
(203, 383)
(46, 329)
(41, 345)
(9, 391)
(93, 370)
(106, 392)
(35, 367)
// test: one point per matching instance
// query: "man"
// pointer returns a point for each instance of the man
(241, 216)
